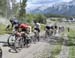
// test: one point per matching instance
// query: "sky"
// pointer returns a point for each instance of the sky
(37, 3)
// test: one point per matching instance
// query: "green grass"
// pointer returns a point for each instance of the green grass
(71, 33)
(42, 26)
(56, 51)
(71, 37)
(3, 29)
(72, 52)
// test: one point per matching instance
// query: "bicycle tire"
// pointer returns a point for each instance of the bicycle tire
(10, 40)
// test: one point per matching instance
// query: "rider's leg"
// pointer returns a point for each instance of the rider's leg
(25, 35)
(38, 38)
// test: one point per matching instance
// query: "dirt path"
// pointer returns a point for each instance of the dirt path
(38, 50)
(34, 51)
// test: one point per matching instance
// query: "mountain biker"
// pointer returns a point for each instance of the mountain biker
(55, 28)
(47, 26)
(37, 26)
(25, 29)
(36, 30)
(15, 23)
(48, 29)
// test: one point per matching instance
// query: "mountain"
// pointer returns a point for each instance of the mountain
(64, 8)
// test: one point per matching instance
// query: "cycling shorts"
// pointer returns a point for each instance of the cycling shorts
(48, 27)
(37, 29)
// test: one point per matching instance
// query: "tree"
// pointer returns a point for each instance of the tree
(40, 18)
(22, 12)
(3, 6)
(14, 7)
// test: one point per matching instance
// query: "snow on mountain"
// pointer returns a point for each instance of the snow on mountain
(65, 8)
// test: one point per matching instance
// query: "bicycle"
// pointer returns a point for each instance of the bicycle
(15, 41)
(0, 52)
(48, 33)
(36, 36)
(26, 38)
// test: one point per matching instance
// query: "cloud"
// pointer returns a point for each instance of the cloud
(67, 0)
(42, 1)
(46, 2)
(37, 3)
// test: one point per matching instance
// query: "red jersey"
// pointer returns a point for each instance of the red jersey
(24, 26)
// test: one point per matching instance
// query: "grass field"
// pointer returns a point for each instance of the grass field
(56, 51)
(71, 36)
(3, 29)
(72, 52)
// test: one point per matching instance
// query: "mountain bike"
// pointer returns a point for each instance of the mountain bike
(36, 36)
(15, 41)
(48, 33)
(0, 52)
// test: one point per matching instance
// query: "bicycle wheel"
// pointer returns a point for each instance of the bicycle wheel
(11, 40)
(17, 44)
(21, 42)
(0, 52)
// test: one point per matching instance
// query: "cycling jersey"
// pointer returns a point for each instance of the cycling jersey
(37, 27)
(14, 21)
(24, 26)
(49, 26)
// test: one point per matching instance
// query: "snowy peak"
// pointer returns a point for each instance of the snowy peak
(63, 8)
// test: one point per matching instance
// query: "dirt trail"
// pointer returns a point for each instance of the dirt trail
(32, 52)
(38, 50)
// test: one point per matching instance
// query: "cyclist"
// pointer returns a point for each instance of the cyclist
(55, 29)
(37, 30)
(15, 23)
(47, 30)
(48, 27)
(25, 29)
(37, 26)
(21, 36)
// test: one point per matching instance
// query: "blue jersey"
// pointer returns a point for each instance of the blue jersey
(14, 22)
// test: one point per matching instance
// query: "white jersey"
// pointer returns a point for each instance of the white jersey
(37, 25)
